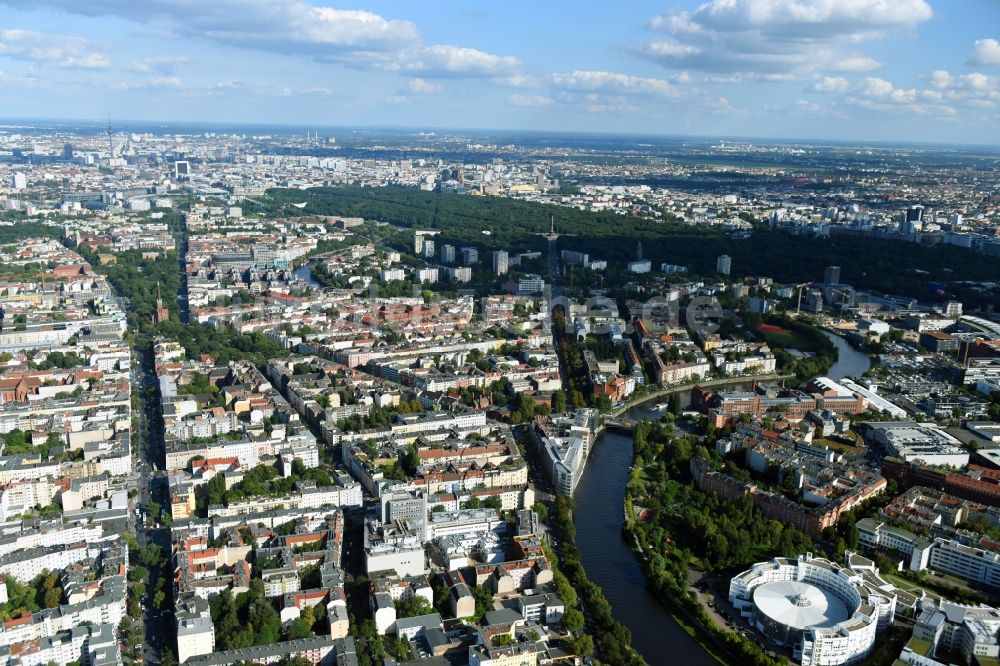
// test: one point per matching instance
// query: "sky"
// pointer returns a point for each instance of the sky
(870, 70)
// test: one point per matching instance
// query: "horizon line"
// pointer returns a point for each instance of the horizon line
(102, 124)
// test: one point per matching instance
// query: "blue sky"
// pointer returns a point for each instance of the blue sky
(896, 70)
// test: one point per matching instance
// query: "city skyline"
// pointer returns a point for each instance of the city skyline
(894, 70)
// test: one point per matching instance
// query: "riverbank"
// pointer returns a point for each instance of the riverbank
(680, 388)
(683, 619)
(663, 630)
(666, 565)
(711, 637)
(850, 362)
(613, 640)
(602, 633)
(673, 528)
(661, 639)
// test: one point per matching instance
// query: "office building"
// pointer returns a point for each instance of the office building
(825, 613)
(563, 444)
(640, 266)
(409, 508)
(953, 310)
(953, 629)
(195, 631)
(831, 275)
(500, 262)
(530, 284)
(429, 274)
(470, 255)
(912, 441)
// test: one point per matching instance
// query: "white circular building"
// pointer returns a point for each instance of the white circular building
(827, 614)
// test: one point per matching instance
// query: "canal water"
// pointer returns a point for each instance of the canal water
(609, 561)
(850, 362)
(303, 273)
(600, 505)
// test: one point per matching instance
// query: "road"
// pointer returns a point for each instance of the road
(152, 487)
(182, 247)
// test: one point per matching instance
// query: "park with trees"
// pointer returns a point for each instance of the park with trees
(514, 225)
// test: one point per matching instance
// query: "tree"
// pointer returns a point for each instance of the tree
(168, 658)
(53, 597)
(484, 602)
(401, 647)
(298, 628)
(558, 402)
(582, 645)
(413, 606)
(674, 404)
(572, 620)
(564, 589)
(296, 661)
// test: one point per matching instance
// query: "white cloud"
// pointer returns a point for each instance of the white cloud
(455, 61)
(277, 25)
(521, 81)
(813, 110)
(856, 64)
(985, 53)
(518, 99)
(771, 39)
(612, 83)
(165, 82)
(973, 89)
(52, 49)
(353, 37)
(229, 84)
(163, 65)
(949, 91)
(942, 111)
(975, 82)
(422, 87)
(831, 84)
(601, 92)
(876, 87)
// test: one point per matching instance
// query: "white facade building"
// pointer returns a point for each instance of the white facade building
(827, 614)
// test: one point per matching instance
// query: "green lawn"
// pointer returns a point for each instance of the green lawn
(920, 646)
(787, 340)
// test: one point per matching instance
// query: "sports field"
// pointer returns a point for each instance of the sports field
(777, 336)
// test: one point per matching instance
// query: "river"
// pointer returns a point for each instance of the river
(304, 273)
(850, 362)
(609, 561)
(600, 503)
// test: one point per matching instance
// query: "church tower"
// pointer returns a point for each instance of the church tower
(162, 314)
